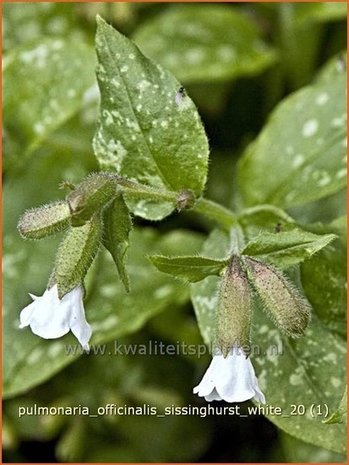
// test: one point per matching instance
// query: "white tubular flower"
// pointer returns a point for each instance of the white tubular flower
(231, 379)
(51, 317)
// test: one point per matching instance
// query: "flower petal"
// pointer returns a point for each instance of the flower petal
(213, 396)
(25, 315)
(78, 324)
(231, 379)
(259, 394)
(50, 319)
(208, 382)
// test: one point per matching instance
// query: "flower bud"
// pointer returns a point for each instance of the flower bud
(44, 221)
(75, 255)
(90, 196)
(234, 310)
(288, 308)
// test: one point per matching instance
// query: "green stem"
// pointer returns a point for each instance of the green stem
(141, 190)
(236, 240)
(215, 212)
(211, 210)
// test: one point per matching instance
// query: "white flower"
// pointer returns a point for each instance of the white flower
(231, 379)
(51, 317)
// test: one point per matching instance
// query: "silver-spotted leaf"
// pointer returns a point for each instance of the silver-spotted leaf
(300, 156)
(148, 130)
(210, 43)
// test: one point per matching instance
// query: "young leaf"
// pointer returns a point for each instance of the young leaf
(210, 43)
(117, 227)
(287, 248)
(189, 268)
(147, 130)
(49, 93)
(300, 156)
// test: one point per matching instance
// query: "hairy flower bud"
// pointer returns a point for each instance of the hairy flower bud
(90, 196)
(44, 221)
(234, 310)
(75, 255)
(288, 308)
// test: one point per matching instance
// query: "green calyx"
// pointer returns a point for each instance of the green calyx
(234, 310)
(286, 306)
(90, 196)
(44, 221)
(75, 255)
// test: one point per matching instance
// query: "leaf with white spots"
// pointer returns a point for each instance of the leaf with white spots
(23, 23)
(30, 360)
(209, 43)
(49, 92)
(286, 248)
(324, 279)
(300, 156)
(145, 132)
(308, 371)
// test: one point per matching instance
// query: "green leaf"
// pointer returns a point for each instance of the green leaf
(266, 218)
(308, 371)
(146, 130)
(30, 360)
(210, 43)
(324, 279)
(49, 92)
(24, 22)
(325, 210)
(117, 227)
(287, 248)
(189, 268)
(300, 156)
(340, 414)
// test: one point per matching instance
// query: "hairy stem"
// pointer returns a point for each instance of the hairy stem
(211, 210)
